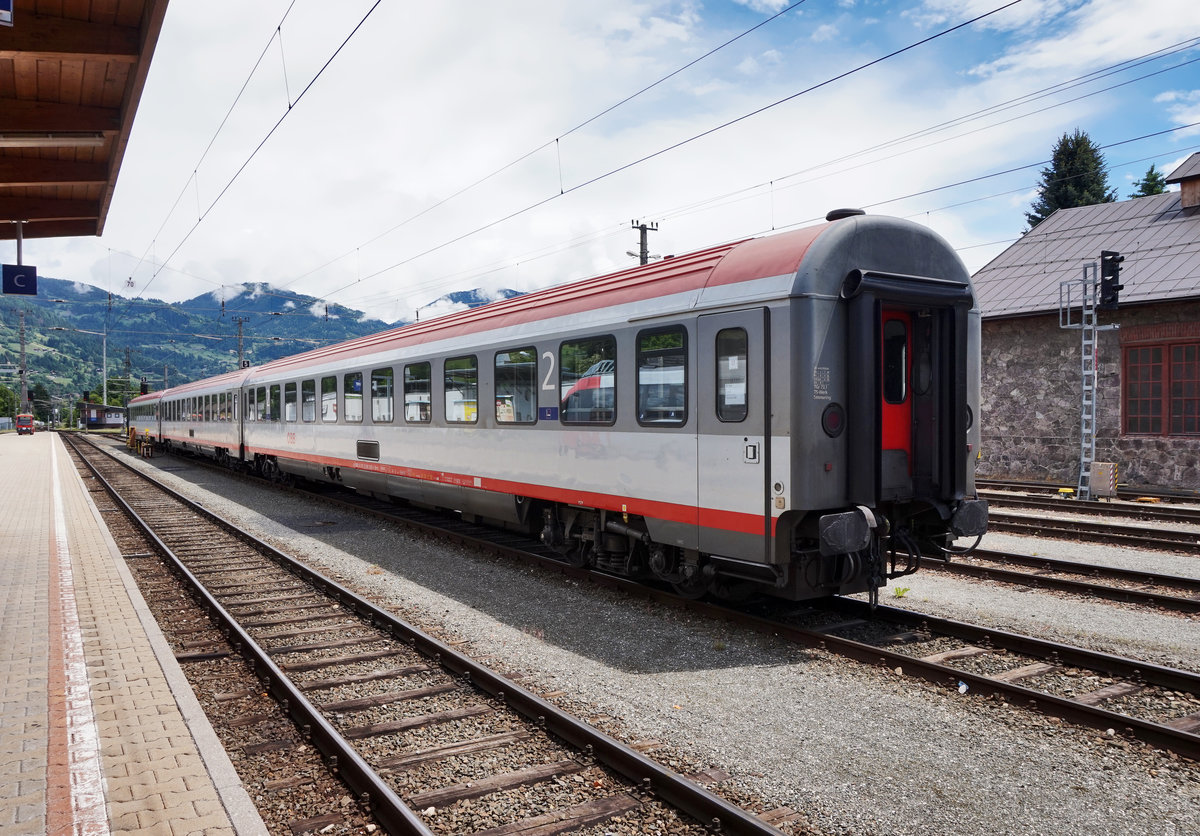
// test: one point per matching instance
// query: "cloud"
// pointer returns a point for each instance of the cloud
(1021, 17)
(1183, 106)
(353, 196)
(824, 32)
(765, 6)
(1084, 35)
(321, 310)
(749, 66)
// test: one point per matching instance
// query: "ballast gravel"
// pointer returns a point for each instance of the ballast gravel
(857, 750)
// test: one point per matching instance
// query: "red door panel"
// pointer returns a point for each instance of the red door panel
(896, 400)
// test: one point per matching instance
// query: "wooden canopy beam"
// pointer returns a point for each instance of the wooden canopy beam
(59, 39)
(25, 115)
(28, 172)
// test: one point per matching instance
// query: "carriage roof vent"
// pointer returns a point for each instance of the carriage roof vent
(838, 214)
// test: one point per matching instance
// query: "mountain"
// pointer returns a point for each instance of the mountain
(184, 341)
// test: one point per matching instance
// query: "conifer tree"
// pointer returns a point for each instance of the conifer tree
(1077, 176)
(1155, 182)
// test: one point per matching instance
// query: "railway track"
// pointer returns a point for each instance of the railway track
(1143, 537)
(426, 739)
(295, 790)
(1157, 511)
(1055, 489)
(1122, 696)
(1167, 592)
(1118, 695)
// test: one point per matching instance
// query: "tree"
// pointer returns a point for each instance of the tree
(42, 403)
(1155, 182)
(1077, 176)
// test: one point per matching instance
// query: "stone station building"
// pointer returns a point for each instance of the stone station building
(1147, 369)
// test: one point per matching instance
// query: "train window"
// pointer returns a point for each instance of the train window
(732, 382)
(587, 381)
(352, 397)
(233, 400)
(382, 394)
(922, 370)
(462, 390)
(289, 402)
(273, 413)
(308, 401)
(895, 361)
(416, 393)
(516, 386)
(662, 377)
(221, 415)
(329, 399)
(207, 416)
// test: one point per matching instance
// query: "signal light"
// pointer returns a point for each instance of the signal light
(1110, 285)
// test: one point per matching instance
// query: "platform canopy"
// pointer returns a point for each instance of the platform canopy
(71, 76)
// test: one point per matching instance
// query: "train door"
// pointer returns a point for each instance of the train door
(896, 405)
(906, 362)
(732, 441)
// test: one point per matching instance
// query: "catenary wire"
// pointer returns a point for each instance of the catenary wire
(671, 147)
(546, 144)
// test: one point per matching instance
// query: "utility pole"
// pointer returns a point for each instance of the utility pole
(239, 320)
(128, 374)
(24, 376)
(644, 228)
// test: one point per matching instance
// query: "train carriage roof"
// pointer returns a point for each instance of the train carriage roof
(229, 380)
(812, 260)
(739, 261)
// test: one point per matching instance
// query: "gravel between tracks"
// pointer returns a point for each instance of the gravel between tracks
(860, 751)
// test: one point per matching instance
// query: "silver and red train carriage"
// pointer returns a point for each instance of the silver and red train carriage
(791, 414)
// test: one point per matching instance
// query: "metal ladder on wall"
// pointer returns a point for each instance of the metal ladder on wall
(1088, 330)
(1087, 409)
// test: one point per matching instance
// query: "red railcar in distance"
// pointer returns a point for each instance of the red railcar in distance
(24, 424)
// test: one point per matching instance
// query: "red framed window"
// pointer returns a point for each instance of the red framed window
(1161, 389)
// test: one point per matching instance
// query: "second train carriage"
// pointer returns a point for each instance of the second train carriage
(777, 414)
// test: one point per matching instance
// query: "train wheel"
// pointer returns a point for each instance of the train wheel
(692, 593)
(578, 556)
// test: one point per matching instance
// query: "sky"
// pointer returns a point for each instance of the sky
(380, 155)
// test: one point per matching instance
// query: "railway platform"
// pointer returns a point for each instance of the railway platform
(99, 730)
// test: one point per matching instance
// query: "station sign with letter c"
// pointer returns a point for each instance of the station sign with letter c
(20, 279)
